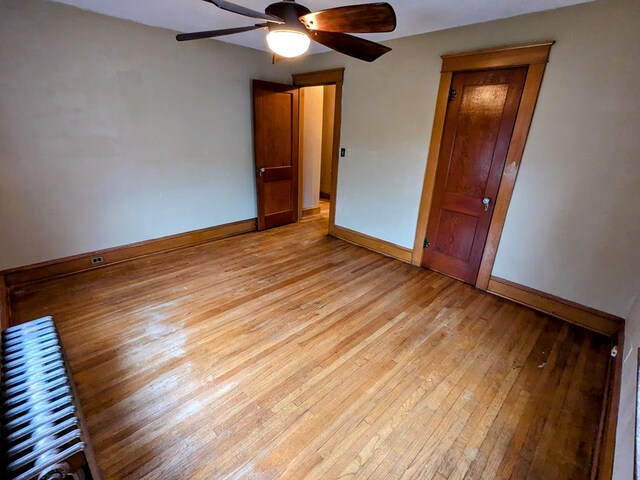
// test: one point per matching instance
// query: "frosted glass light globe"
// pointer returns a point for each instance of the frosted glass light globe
(288, 43)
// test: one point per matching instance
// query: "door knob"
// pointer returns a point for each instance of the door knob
(486, 201)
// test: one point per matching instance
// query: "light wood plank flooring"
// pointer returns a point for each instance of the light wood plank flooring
(290, 354)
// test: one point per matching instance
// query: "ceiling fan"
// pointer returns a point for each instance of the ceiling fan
(291, 27)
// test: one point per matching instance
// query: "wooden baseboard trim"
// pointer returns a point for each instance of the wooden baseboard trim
(325, 196)
(5, 305)
(372, 243)
(78, 263)
(602, 464)
(586, 317)
(308, 212)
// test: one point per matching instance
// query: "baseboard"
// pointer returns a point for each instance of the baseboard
(605, 446)
(5, 305)
(372, 243)
(325, 195)
(587, 317)
(78, 263)
(308, 212)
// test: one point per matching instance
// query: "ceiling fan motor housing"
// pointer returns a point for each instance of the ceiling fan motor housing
(290, 12)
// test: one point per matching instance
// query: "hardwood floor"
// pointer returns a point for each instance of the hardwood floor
(290, 354)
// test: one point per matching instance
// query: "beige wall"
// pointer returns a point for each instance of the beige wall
(311, 145)
(573, 228)
(623, 462)
(113, 132)
(328, 116)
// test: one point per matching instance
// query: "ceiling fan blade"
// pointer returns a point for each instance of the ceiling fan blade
(181, 37)
(368, 18)
(349, 45)
(247, 12)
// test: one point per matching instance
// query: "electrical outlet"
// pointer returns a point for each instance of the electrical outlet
(97, 260)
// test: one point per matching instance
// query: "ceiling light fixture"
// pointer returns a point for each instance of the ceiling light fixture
(292, 27)
(288, 43)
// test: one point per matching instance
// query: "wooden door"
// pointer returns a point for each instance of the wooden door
(275, 132)
(477, 131)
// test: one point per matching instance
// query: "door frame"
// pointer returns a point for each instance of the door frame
(315, 79)
(534, 56)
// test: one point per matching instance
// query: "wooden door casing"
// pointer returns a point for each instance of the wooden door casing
(275, 131)
(477, 132)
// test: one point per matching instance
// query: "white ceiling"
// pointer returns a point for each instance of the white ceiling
(414, 16)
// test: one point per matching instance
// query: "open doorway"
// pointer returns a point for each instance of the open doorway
(317, 117)
(332, 81)
(278, 148)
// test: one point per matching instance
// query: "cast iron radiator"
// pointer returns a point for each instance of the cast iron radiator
(43, 432)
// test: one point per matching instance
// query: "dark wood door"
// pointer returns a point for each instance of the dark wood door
(477, 131)
(275, 132)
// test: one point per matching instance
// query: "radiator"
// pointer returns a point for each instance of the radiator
(43, 429)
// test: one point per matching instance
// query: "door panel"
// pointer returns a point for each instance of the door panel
(477, 132)
(275, 130)
(455, 234)
(476, 136)
(279, 195)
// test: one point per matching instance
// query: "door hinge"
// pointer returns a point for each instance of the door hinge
(452, 94)
(614, 351)
(426, 243)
